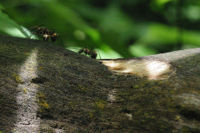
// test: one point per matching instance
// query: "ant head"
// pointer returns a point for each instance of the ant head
(54, 34)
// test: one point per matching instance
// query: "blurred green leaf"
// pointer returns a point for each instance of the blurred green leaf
(105, 51)
(162, 34)
(161, 2)
(191, 37)
(1, 7)
(141, 50)
(10, 27)
(69, 16)
(116, 28)
(157, 33)
(189, 46)
(192, 12)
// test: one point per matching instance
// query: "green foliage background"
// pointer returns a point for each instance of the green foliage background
(115, 28)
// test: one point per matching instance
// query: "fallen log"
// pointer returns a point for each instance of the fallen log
(46, 88)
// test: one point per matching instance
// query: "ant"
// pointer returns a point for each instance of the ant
(86, 51)
(45, 33)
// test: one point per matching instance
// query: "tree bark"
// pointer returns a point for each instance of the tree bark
(46, 88)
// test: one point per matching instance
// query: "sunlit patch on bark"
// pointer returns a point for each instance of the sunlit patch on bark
(26, 100)
(111, 96)
(157, 69)
(152, 69)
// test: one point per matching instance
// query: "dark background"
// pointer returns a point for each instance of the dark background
(114, 28)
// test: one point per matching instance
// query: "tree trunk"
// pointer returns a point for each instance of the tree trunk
(45, 88)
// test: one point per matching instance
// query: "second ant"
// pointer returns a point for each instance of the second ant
(88, 52)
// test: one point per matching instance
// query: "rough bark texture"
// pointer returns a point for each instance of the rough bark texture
(45, 88)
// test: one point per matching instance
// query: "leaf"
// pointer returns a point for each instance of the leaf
(10, 27)
(1, 8)
(70, 16)
(141, 50)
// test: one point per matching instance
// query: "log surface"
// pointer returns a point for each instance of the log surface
(46, 88)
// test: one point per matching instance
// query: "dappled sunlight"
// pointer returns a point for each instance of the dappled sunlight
(150, 69)
(111, 96)
(156, 69)
(26, 96)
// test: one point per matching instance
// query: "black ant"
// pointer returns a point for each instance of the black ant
(86, 51)
(45, 33)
